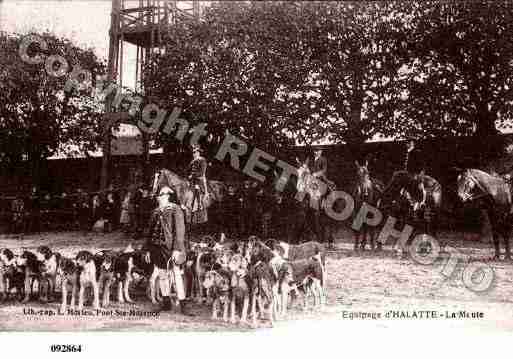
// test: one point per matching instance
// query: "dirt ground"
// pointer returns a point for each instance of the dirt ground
(380, 284)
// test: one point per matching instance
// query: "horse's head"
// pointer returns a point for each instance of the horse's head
(363, 179)
(466, 185)
(362, 171)
(303, 177)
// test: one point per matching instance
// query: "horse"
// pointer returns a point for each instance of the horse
(312, 193)
(404, 194)
(195, 211)
(366, 190)
(494, 195)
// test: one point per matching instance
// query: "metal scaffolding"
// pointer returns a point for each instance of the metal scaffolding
(142, 23)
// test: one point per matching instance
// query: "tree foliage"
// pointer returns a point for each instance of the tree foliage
(346, 71)
(37, 117)
(461, 63)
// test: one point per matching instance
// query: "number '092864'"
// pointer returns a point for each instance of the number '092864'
(66, 348)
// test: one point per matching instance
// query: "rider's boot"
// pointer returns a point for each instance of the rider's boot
(497, 249)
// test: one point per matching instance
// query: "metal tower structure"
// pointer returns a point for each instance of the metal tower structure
(141, 23)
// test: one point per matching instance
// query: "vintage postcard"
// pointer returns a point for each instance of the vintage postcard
(249, 166)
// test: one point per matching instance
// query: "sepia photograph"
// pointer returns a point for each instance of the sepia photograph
(245, 167)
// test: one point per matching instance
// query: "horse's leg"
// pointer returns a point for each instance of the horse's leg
(370, 233)
(356, 239)
(496, 244)
(507, 247)
(319, 233)
(379, 245)
(505, 232)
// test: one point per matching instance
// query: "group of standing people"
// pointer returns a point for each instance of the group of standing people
(127, 210)
(255, 209)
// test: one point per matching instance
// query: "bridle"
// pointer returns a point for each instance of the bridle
(466, 195)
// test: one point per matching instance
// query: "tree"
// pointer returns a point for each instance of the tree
(276, 71)
(38, 117)
(232, 71)
(460, 80)
(356, 51)
(345, 71)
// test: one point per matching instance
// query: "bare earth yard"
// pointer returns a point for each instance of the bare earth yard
(369, 282)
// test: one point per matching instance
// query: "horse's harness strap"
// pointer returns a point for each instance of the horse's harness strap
(476, 182)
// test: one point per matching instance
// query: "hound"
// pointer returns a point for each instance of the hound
(205, 261)
(291, 252)
(105, 261)
(123, 267)
(87, 277)
(217, 284)
(69, 273)
(153, 262)
(304, 273)
(6, 266)
(239, 285)
(31, 267)
(264, 288)
(50, 261)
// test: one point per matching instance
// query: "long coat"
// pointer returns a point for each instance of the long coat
(413, 161)
(167, 226)
(198, 168)
(320, 166)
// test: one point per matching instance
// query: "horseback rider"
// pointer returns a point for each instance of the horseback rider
(198, 169)
(413, 165)
(167, 228)
(413, 161)
(319, 166)
(429, 188)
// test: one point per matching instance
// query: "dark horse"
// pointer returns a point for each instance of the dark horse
(494, 195)
(366, 190)
(414, 197)
(311, 199)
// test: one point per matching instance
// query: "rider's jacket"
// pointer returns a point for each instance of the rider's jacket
(413, 161)
(198, 168)
(319, 166)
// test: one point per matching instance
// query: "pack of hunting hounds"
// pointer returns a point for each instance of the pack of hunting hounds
(235, 278)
